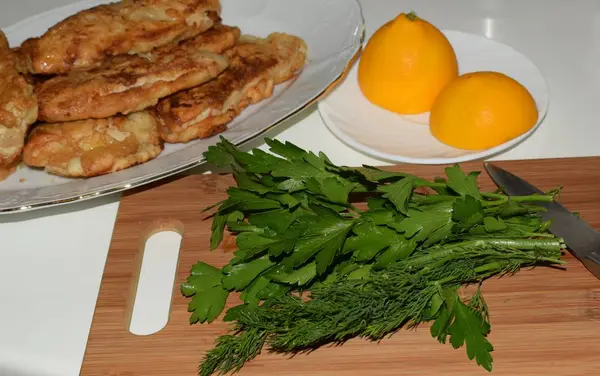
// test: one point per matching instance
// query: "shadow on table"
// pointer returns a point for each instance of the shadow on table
(13, 372)
(105, 200)
(58, 210)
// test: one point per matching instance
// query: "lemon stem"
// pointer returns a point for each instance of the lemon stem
(412, 16)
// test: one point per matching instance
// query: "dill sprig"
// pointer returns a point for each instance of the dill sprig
(232, 351)
(401, 296)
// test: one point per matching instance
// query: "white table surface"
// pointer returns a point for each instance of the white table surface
(51, 261)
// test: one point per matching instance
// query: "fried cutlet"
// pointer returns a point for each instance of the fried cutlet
(3, 42)
(9, 169)
(18, 110)
(126, 84)
(217, 40)
(94, 147)
(255, 67)
(86, 39)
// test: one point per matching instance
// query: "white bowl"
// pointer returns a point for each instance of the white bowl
(390, 137)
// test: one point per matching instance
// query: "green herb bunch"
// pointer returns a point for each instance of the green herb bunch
(314, 269)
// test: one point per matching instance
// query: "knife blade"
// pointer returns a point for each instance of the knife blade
(582, 240)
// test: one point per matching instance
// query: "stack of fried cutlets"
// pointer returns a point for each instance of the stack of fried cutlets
(109, 85)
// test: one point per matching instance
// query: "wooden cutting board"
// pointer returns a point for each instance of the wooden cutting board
(544, 321)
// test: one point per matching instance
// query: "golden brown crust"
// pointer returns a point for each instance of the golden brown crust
(21, 65)
(291, 52)
(9, 169)
(3, 42)
(87, 38)
(18, 109)
(256, 66)
(94, 147)
(217, 40)
(126, 84)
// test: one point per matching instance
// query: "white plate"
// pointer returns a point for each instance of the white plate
(407, 139)
(333, 31)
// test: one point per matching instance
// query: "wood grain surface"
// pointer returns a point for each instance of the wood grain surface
(544, 321)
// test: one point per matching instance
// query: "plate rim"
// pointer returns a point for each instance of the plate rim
(478, 155)
(129, 185)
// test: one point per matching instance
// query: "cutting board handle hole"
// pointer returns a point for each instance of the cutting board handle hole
(154, 292)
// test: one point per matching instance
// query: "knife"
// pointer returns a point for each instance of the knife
(582, 240)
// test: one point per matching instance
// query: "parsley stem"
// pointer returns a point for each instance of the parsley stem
(480, 245)
(483, 271)
(429, 184)
(500, 199)
(492, 268)
(538, 235)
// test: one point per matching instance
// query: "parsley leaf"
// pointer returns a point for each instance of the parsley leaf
(467, 212)
(470, 328)
(219, 156)
(285, 199)
(225, 154)
(299, 172)
(362, 272)
(208, 296)
(299, 277)
(465, 324)
(375, 203)
(379, 216)
(234, 313)
(218, 227)
(370, 240)
(421, 225)
(375, 175)
(463, 184)
(250, 295)
(334, 189)
(398, 251)
(317, 201)
(445, 314)
(319, 161)
(278, 220)
(260, 162)
(247, 182)
(239, 276)
(287, 150)
(399, 193)
(273, 290)
(325, 237)
(251, 245)
(494, 224)
(295, 154)
(243, 200)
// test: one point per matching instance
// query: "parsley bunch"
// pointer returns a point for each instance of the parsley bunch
(312, 268)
